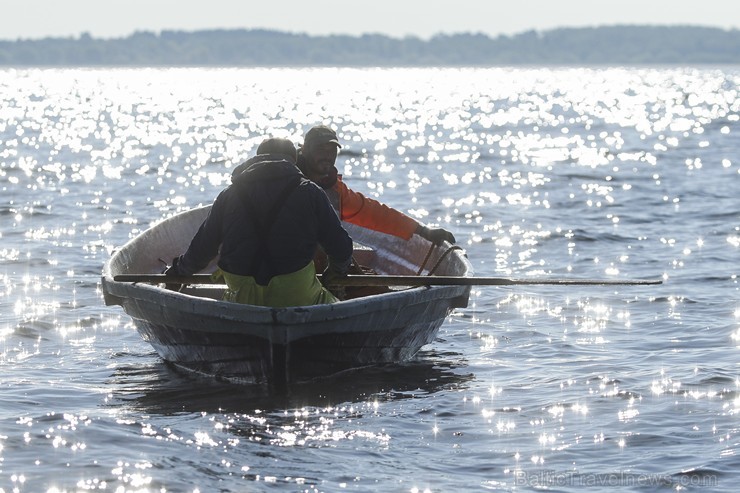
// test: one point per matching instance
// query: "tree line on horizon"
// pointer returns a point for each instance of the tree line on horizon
(265, 48)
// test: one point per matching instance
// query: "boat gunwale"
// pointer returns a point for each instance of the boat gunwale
(292, 315)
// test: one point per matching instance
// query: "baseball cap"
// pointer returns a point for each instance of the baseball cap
(321, 134)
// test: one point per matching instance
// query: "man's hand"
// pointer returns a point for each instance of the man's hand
(436, 236)
(333, 272)
(173, 270)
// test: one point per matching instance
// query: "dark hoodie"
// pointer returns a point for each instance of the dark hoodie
(269, 222)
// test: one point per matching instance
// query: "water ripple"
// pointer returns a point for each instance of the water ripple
(578, 172)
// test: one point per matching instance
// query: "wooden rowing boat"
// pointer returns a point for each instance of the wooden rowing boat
(195, 330)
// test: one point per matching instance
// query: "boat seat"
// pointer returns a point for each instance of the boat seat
(363, 254)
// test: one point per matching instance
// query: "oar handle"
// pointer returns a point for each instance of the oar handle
(381, 280)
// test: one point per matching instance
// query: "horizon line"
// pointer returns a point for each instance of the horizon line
(87, 35)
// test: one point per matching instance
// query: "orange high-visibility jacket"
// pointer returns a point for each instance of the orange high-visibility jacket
(355, 208)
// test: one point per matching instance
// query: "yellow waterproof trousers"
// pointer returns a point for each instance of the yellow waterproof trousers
(298, 288)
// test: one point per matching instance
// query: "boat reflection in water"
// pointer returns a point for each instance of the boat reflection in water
(163, 389)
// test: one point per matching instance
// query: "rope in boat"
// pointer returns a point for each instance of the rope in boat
(452, 248)
(439, 261)
(426, 259)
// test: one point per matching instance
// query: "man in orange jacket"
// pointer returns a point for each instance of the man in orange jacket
(317, 158)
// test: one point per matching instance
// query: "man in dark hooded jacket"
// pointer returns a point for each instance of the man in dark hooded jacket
(265, 228)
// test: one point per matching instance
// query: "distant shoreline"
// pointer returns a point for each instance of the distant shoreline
(610, 45)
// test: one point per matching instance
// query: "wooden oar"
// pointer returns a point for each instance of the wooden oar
(380, 280)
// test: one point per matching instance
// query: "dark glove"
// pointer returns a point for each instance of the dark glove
(173, 270)
(436, 236)
(335, 270)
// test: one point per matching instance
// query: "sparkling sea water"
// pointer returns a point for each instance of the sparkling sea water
(600, 172)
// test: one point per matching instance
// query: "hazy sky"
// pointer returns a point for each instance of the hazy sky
(33, 19)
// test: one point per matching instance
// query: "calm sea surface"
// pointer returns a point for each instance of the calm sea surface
(613, 173)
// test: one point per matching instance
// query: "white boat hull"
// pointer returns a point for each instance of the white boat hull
(195, 330)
